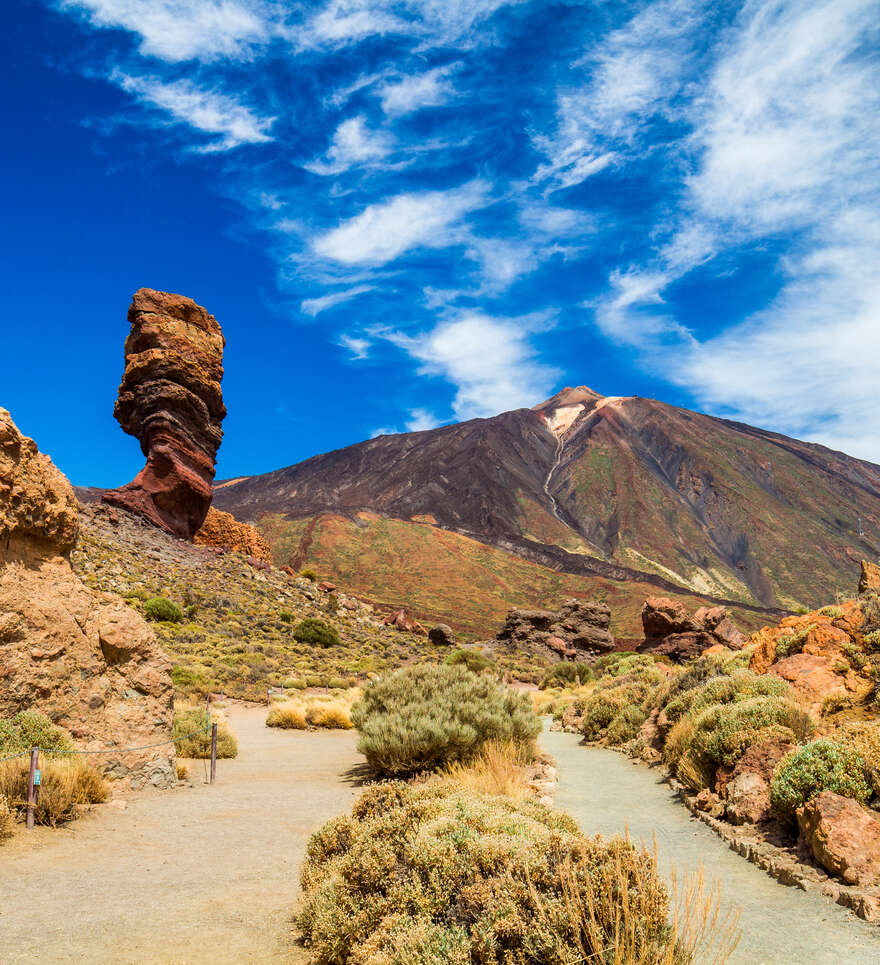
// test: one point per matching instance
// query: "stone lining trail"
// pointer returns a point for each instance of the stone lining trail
(189, 876)
(607, 794)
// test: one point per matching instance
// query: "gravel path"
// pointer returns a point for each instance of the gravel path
(608, 794)
(194, 875)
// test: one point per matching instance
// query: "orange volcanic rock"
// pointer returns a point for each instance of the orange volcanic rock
(223, 530)
(170, 399)
(843, 836)
(669, 630)
(85, 660)
(869, 580)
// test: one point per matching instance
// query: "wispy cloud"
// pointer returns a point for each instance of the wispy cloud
(490, 361)
(388, 229)
(421, 419)
(353, 143)
(314, 306)
(417, 91)
(178, 30)
(359, 347)
(208, 112)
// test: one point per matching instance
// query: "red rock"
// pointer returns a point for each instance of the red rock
(869, 579)
(709, 802)
(325, 586)
(843, 837)
(252, 561)
(403, 621)
(670, 631)
(747, 787)
(223, 531)
(289, 570)
(170, 399)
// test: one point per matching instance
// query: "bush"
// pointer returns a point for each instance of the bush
(831, 611)
(820, 766)
(186, 679)
(192, 735)
(7, 819)
(615, 696)
(161, 610)
(724, 732)
(286, 617)
(864, 739)
(871, 642)
(625, 726)
(425, 716)
(725, 689)
(30, 728)
(333, 716)
(567, 674)
(475, 661)
(433, 875)
(309, 575)
(313, 630)
(622, 662)
(65, 785)
(288, 718)
(870, 607)
(793, 643)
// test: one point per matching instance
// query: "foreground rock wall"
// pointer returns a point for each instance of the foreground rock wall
(86, 660)
(170, 399)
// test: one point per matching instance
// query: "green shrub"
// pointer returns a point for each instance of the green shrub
(693, 675)
(724, 732)
(338, 683)
(567, 674)
(424, 716)
(192, 735)
(870, 607)
(855, 656)
(793, 642)
(831, 611)
(625, 726)
(614, 696)
(161, 610)
(286, 617)
(622, 662)
(309, 575)
(186, 679)
(871, 642)
(864, 739)
(435, 875)
(475, 661)
(30, 728)
(821, 766)
(313, 630)
(295, 683)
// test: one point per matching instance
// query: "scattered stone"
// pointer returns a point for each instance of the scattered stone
(222, 530)
(843, 836)
(171, 401)
(747, 787)
(709, 802)
(442, 635)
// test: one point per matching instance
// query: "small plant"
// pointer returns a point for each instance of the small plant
(475, 661)
(333, 716)
(870, 607)
(834, 703)
(192, 735)
(831, 611)
(567, 674)
(287, 718)
(864, 739)
(66, 784)
(159, 609)
(801, 610)
(7, 819)
(793, 642)
(822, 765)
(871, 642)
(313, 630)
(310, 575)
(625, 726)
(186, 679)
(182, 771)
(286, 617)
(426, 716)
(30, 728)
(854, 656)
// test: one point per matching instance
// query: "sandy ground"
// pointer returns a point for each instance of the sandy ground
(608, 794)
(202, 874)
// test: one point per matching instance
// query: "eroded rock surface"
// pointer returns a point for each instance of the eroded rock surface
(869, 579)
(224, 531)
(170, 399)
(843, 836)
(86, 660)
(576, 630)
(671, 631)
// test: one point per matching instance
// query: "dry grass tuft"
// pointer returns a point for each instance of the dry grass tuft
(333, 715)
(7, 819)
(302, 711)
(501, 767)
(66, 785)
(182, 771)
(287, 718)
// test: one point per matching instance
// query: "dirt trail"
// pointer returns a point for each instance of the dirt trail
(194, 875)
(608, 794)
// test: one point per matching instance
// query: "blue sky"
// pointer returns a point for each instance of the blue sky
(409, 212)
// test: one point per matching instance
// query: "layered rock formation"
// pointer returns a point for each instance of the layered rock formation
(224, 531)
(170, 399)
(869, 579)
(577, 630)
(670, 631)
(843, 836)
(86, 660)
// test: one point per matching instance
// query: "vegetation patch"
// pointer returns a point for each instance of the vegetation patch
(822, 765)
(313, 630)
(793, 643)
(66, 784)
(30, 728)
(475, 661)
(423, 717)
(159, 609)
(192, 735)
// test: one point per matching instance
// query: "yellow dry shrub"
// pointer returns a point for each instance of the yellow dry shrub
(501, 767)
(864, 739)
(332, 715)
(287, 718)
(66, 784)
(7, 819)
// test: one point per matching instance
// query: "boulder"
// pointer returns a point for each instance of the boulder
(746, 788)
(869, 579)
(670, 631)
(325, 586)
(85, 660)
(442, 635)
(577, 630)
(171, 401)
(843, 836)
(401, 620)
(222, 530)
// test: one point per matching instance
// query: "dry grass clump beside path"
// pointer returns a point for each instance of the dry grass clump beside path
(311, 711)
(66, 785)
(192, 734)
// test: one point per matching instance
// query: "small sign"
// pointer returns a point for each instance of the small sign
(37, 777)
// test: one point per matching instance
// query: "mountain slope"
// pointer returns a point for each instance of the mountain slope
(626, 490)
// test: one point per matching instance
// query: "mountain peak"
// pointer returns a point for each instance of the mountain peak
(580, 395)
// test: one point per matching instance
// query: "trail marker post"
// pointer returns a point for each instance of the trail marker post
(33, 783)
(213, 751)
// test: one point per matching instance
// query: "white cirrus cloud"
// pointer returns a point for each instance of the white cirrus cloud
(209, 112)
(490, 361)
(417, 91)
(314, 306)
(422, 419)
(353, 144)
(356, 344)
(388, 229)
(178, 30)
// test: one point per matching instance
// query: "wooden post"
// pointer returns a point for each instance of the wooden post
(213, 751)
(268, 696)
(31, 798)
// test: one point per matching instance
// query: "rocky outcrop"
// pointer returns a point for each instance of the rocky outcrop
(812, 652)
(401, 620)
(170, 399)
(86, 660)
(442, 635)
(224, 531)
(843, 837)
(869, 578)
(671, 631)
(746, 787)
(577, 630)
